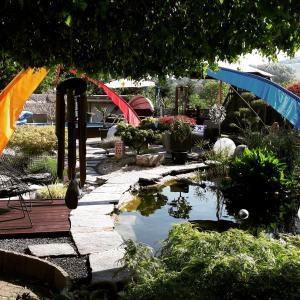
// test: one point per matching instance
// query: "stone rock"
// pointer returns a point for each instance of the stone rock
(57, 249)
(148, 181)
(100, 180)
(90, 189)
(104, 266)
(239, 150)
(149, 160)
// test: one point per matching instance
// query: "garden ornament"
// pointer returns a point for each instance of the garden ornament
(224, 147)
(243, 214)
(75, 89)
(217, 114)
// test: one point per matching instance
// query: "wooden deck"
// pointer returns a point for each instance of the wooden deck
(47, 219)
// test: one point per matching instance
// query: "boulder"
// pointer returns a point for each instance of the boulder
(149, 160)
(239, 150)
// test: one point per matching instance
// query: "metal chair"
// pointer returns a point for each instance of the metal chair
(29, 170)
(11, 186)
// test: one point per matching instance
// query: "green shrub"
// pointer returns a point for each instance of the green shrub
(43, 164)
(258, 184)
(34, 139)
(180, 130)
(284, 143)
(257, 171)
(134, 137)
(154, 124)
(214, 266)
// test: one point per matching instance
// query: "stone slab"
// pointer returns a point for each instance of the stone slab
(91, 223)
(102, 209)
(91, 178)
(95, 242)
(55, 249)
(99, 198)
(105, 265)
(112, 188)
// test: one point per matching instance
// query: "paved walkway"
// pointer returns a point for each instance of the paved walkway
(9, 291)
(92, 227)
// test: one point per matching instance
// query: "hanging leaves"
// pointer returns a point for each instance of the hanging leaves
(121, 38)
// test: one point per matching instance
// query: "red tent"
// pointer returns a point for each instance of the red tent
(140, 102)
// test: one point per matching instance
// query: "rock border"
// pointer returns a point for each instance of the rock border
(28, 268)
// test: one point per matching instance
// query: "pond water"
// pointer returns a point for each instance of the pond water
(150, 215)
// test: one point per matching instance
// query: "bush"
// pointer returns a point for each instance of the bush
(284, 143)
(258, 184)
(211, 265)
(134, 137)
(34, 139)
(43, 164)
(154, 124)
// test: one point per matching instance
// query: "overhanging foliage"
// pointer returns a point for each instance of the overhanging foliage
(129, 38)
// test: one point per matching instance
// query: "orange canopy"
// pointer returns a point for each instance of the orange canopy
(13, 98)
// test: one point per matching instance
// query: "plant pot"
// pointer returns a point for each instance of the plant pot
(179, 158)
(103, 132)
(173, 143)
(181, 144)
(166, 141)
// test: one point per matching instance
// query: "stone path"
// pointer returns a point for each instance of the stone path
(92, 227)
(9, 291)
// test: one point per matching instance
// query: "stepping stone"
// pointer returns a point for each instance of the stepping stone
(104, 266)
(92, 223)
(57, 249)
(112, 188)
(102, 209)
(95, 242)
(99, 198)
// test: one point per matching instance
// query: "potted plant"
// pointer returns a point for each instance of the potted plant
(178, 140)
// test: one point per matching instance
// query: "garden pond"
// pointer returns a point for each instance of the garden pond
(151, 213)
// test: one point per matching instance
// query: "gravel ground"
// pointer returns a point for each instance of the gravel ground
(75, 266)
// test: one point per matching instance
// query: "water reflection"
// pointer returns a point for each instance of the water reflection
(179, 207)
(151, 214)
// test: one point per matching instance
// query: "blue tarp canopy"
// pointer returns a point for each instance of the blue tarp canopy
(282, 100)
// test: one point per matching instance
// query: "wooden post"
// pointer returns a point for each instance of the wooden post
(220, 92)
(71, 134)
(186, 99)
(82, 106)
(176, 101)
(60, 133)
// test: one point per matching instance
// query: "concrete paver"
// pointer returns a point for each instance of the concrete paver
(9, 291)
(95, 242)
(54, 249)
(105, 265)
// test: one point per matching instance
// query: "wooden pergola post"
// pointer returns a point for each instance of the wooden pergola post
(220, 92)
